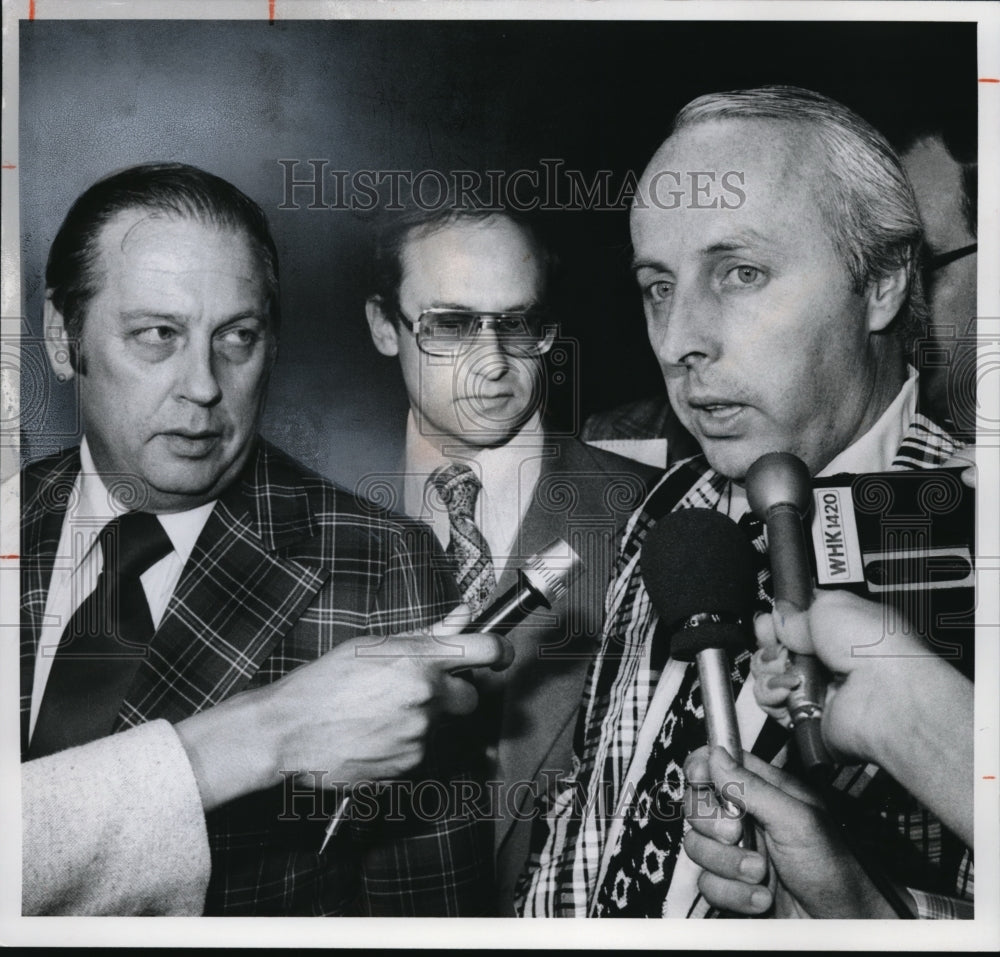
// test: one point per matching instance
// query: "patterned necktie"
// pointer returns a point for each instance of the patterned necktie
(105, 641)
(459, 487)
(641, 868)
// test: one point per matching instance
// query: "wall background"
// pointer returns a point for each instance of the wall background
(235, 97)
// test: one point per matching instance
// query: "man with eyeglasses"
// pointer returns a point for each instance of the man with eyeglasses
(459, 297)
(940, 162)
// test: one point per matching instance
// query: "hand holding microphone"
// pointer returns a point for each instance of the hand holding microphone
(698, 568)
(780, 492)
(444, 668)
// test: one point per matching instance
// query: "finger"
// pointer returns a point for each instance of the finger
(767, 637)
(838, 622)
(453, 622)
(696, 767)
(461, 651)
(769, 659)
(758, 783)
(706, 815)
(702, 807)
(791, 625)
(969, 476)
(725, 860)
(771, 691)
(733, 895)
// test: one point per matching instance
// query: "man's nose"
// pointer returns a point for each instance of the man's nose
(198, 379)
(688, 332)
(488, 355)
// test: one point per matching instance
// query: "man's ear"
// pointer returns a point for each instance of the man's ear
(385, 335)
(57, 343)
(885, 298)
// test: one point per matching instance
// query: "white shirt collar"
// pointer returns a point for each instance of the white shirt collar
(873, 452)
(508, 475)
(496, 467)
(97, 506)
(876, 449)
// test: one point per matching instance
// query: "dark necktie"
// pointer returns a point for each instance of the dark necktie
(105, 641)
(459, 487)
(641, 868)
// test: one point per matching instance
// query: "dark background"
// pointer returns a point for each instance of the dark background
(235, 97)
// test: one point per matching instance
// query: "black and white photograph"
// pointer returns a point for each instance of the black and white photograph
(509, 460)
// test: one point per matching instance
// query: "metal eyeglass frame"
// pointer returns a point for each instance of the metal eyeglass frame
(533, 346)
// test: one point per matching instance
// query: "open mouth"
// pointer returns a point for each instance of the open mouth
(717, 418)
(720, 410)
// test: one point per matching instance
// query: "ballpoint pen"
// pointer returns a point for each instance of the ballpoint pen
(335, 822)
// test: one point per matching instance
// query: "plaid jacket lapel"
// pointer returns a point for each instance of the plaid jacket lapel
(46, 488)
(238, 596)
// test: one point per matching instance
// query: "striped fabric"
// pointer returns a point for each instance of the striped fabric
(571, 835)
(287, 567)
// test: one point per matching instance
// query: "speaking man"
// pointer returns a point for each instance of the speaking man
(780, 322)
(460, 301)
(175, 560)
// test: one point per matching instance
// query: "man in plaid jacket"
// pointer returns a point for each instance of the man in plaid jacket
(163, 303)
(780, 295)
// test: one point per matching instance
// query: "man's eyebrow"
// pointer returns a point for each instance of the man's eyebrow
(654, 264)
(743, 240)
(132, 315)
(460, 307)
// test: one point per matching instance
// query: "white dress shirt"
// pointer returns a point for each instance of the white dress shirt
(508, 475)
(873, 452)
(79, 560)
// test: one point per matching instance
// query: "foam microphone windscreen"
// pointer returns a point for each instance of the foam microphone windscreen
(699, 569)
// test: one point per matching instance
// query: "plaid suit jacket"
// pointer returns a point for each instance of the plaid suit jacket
(287, 567)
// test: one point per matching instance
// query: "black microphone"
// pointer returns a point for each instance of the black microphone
(779, 491)
(543, 580)
(698, 567)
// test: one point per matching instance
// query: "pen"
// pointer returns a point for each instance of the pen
(335, 822)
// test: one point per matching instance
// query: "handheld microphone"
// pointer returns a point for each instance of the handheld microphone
(779, 491)
(699, 570)
(545, 578)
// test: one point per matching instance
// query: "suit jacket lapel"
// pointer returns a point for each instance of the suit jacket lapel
(237, 597)
(46, 492)
(553, 702)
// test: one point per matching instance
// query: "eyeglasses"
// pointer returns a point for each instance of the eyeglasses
(447, 332)
(933, 263)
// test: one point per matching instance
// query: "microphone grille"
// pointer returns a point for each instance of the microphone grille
(698, 562)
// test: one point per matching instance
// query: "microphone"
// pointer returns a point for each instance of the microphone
(698, 567)
(779, 491)
(543, 580)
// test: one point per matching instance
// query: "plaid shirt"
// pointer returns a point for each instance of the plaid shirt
(571, 838)
(287, 567)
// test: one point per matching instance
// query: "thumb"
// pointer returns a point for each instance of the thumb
(770, 806)
(791, 625)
